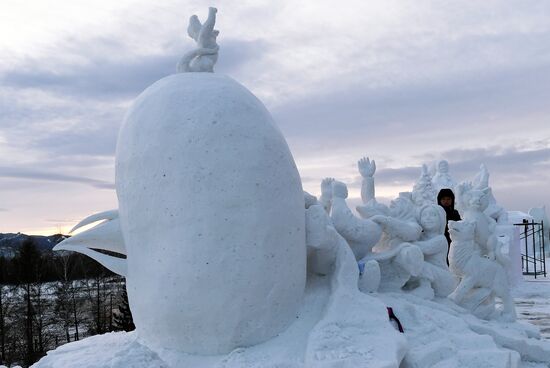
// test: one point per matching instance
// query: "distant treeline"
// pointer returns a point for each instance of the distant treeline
(32, 265)
(51, 298)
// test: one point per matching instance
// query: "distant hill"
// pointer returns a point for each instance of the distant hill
(10, 243)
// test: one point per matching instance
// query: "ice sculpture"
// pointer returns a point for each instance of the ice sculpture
(435, 278)
(442, 179)
(481, 278)
(191, 181)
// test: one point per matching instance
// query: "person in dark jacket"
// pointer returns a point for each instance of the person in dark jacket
(446, 199)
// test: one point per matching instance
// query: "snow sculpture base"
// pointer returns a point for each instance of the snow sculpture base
(442, 334)
(336, 326)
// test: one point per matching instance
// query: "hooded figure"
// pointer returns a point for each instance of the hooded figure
(446, 199)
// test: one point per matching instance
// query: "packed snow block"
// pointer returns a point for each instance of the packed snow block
(212, 213)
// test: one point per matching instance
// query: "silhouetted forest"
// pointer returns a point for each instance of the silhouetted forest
(50, 298)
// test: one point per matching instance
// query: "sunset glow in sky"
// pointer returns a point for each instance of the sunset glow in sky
(403, 82)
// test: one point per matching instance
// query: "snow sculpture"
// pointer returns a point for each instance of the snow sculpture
(539, 215)
(435, 278)
(481, 278)
(442, 179)
(190, 178)
(195, 199)
(361, 234)
(493, 210)
(106, 235)
(423, 191)
(398, 258)
(321, 238)
(472, 203)
(400, 225)
(203, 58)
(370, 206)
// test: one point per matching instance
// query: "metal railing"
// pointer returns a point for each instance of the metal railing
(533, 257)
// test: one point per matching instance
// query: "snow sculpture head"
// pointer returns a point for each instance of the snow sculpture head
(471, 198)
(432, 218)
(402, 207)
(441, 178)
(339, 189)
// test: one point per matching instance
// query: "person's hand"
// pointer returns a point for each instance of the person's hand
(326, 187)
(366, 167)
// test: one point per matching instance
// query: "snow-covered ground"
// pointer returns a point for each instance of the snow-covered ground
(532, 298)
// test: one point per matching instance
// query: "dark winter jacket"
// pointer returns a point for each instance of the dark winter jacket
(450, 211)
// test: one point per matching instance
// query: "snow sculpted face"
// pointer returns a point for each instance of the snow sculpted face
(212, 265)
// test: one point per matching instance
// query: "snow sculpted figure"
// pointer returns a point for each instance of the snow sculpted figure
(203, 58)
(481, 278)
(423, 191)
(361, 234)
(472, 203)
(435, 278)
(191, 182)
(442, 179)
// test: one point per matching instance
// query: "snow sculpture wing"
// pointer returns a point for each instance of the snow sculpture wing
(106, 235)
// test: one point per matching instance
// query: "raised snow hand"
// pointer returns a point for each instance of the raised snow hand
(204, 57)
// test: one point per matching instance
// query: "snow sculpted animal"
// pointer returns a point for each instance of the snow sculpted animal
(480, 277)
(211, 265)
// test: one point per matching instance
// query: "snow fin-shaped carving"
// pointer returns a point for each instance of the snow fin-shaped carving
(106, 235)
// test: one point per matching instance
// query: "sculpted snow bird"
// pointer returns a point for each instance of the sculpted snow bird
(211, 212)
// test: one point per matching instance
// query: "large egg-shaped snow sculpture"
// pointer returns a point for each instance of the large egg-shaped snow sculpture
(212, 213)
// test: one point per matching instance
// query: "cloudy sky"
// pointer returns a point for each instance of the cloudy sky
(404, 82)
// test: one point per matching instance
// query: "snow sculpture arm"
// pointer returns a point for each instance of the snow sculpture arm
(326, 193)
(203, 58)
(432, 246)
(405, 230)
(370, 206)
(367, 168)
